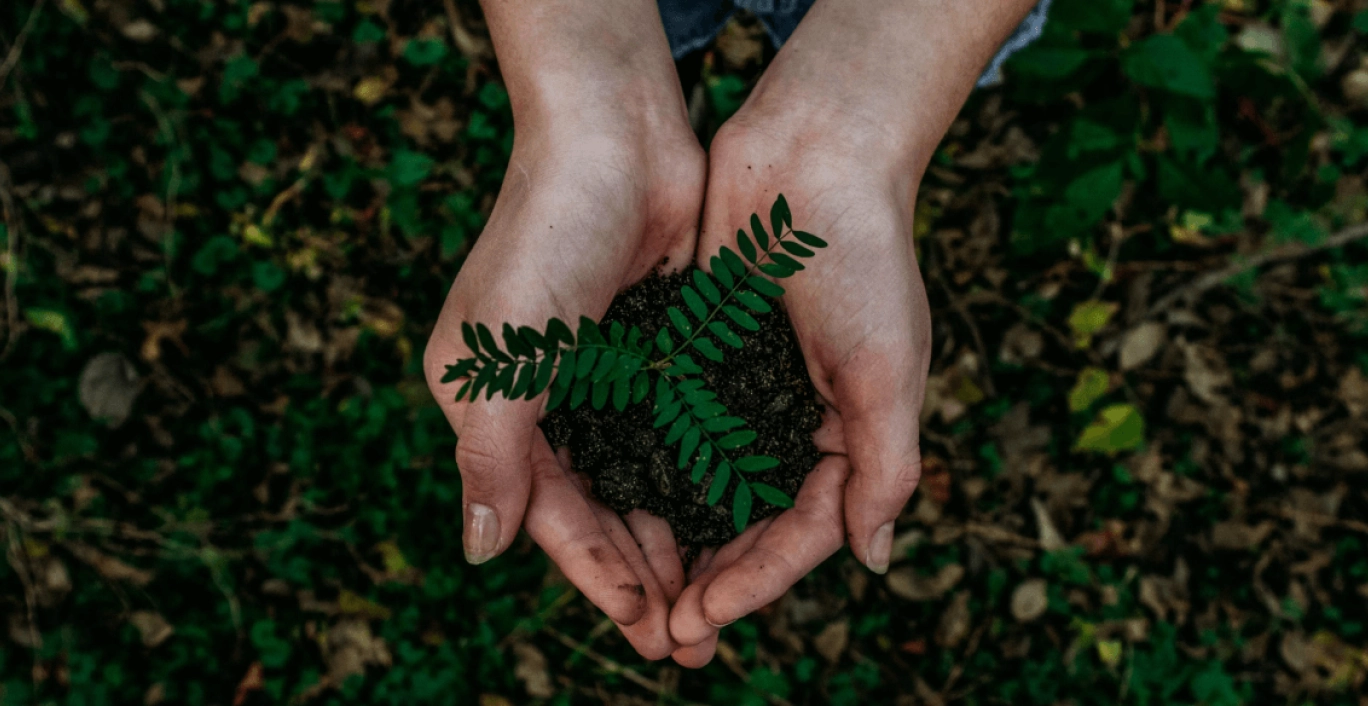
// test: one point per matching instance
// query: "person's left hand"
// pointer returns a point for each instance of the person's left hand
(862, 320)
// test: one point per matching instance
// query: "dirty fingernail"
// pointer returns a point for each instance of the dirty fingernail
(481, 533)
(880, 549)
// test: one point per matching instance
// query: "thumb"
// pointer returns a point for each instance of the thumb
(494, 456)
(879, 398)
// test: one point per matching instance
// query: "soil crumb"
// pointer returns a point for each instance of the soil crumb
(630, 466)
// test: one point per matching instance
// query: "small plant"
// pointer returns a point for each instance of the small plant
(625, 366)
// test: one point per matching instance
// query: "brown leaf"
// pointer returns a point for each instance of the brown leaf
(1050, 539)
(532, 672)
(1239, 536)
(109, 567)
(905, 583)
(832, 641)
(1140, 344)
(108, 387)
(954, 623)
(251, 681)
(1353, 392)
(152, 626)
(349, 647)
(1030, 600)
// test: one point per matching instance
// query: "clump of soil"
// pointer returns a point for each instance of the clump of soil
(630, 466)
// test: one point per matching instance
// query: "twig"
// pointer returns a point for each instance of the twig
(1287, 252)
(609, 665)
(17, 48)
(19, 559)
(963, 311)
(12, 226)
(958, 670)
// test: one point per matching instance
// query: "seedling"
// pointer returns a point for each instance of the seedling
(625, 367)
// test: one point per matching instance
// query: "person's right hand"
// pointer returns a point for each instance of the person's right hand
(590, 205)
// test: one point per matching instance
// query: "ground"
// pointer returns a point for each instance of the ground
(228, 229)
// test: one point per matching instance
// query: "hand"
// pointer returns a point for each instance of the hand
(587, 208)
(861, 317)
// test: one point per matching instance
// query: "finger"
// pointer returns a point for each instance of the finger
(799, 539)
(697, 656)
(651, 634)
(494, 456)
(563, 523)
(880, 397)
(657, 543)
(830, 437)
(688, 626)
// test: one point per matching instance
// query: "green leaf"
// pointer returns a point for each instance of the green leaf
(1166, 62)
(558, 393)
(545, 368)
(484, 377)
(687, 446)
(526, 373)
(1088, 318)
(765, 287)
(758, 229)
(1092, 384)
(424, 52)
(700, 467)
(706, 286)
(776, 270)
(709, 351)
(589, 332)
(567, 370)
(668, 413)
(461, 393)
(780, 215)
(736, 440)
(725, 334)
(502, 383)
(534, 339)
(606, 361)
(721, 477)
(694, 302)
(753, 301)
(809, 239)
(490, 347)
(468, 333)
(641, 387)
(742, 319)
(796, 249)
(717, 424)
(772, 495)
(677, 429)
(680, 321)
(753, 464)
(686, 365)
(708, 410)
(663, 341)
(1360, 23)
(585, 364)
(733, 261)
(1119, 427)
(786, 261)
(461, 369)
(557, 330)
(743, 242)
(602, 388)
(741, 507)
(722, 272)
(408, 168)
(515, 344)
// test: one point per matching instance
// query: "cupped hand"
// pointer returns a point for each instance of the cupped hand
(586, 209)
(862, 320)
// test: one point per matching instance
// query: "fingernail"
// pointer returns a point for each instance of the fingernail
(719, 627)
(880, 549)
(481, 533)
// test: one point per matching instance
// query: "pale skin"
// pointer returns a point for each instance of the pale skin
(607, 180)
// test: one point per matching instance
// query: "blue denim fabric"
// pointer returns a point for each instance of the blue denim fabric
(691, 24)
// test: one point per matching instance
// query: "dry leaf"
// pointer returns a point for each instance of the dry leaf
(109, 567)
(152, 626)
(349, 647)
(1353, 392)
(831, 642)
(531, 671)
(1140, 344)
(1239, 536)
(108, 388)
(905, 583)
(954, 623)
(1030, 600)
(1050, 539)
(139, 30)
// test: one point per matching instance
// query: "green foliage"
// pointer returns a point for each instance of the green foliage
(626, 365)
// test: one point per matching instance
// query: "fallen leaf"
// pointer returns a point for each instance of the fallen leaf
(108, 387)
(1140, 344)
(1050, 538)
(1109, 651)
(831, 642)
(354, 604)
(1088, 318)
(954, 623)
(532, 672)
(1030, 600)
(1119, 427)
(349, 647)
(1353, 392)
(1091, 386)
(139, 30)
(1239, 536)
(251, 681)
(109, 567)
(905, 583)
(152, 626)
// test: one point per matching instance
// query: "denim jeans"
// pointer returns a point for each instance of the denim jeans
(691, 24)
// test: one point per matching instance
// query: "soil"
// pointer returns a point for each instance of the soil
(630, 466)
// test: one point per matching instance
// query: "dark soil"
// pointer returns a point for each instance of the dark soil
(630, 466)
